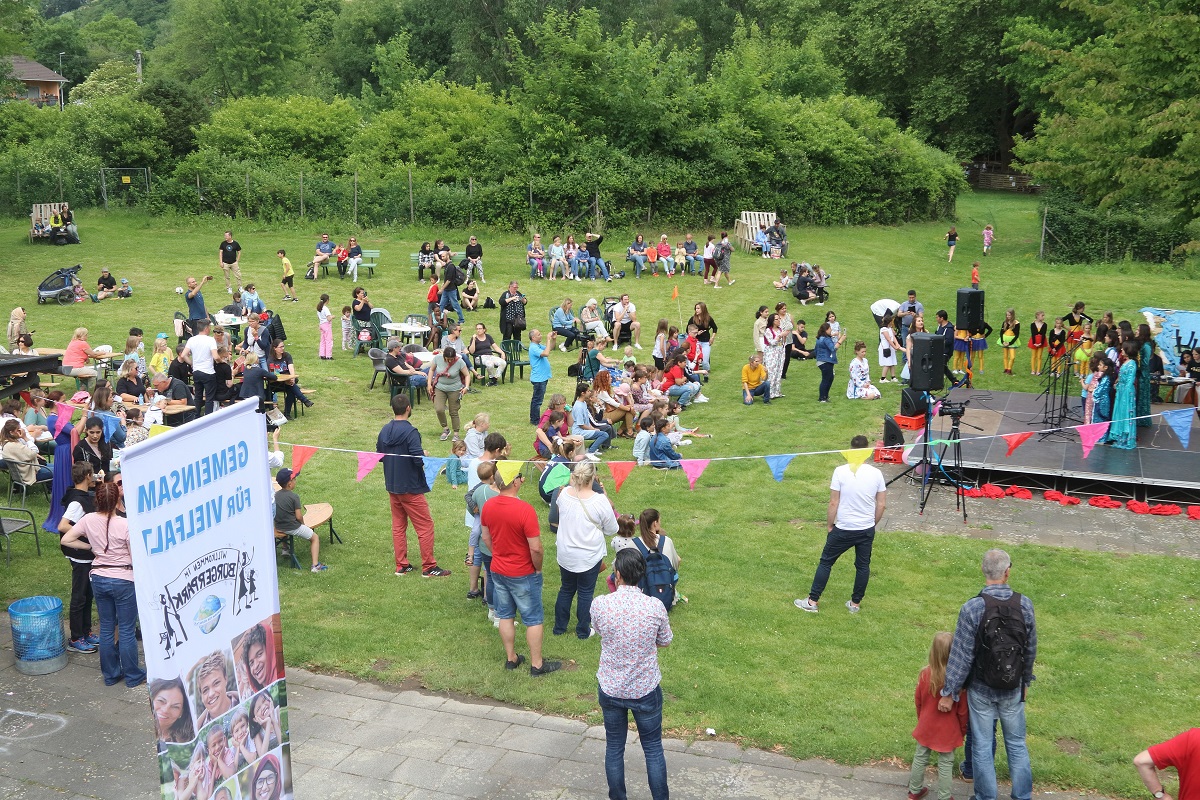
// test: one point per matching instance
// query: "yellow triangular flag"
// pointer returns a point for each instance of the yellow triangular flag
(508, 470)
(156, 429)
(855, 458)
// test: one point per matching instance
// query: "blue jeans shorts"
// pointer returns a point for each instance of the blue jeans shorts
(524, 595)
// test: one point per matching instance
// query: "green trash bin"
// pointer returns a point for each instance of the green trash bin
(37, 635)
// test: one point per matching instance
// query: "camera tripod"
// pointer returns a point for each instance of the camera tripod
(931, 461)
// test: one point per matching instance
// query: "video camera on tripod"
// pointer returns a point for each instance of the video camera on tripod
(953, 410)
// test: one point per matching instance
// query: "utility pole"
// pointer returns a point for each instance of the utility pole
(137, 60)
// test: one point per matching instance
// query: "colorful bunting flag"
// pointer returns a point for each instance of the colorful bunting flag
(1015, 440)
(778, 464)
(1180, 420)
(366, 463)
(156, 429)
(1090, 434)
(558, 476)
(855, 458)
(693, 468)
(301, 453)
(65, 412)
(620, 471)
(508, 469)
(432, 467)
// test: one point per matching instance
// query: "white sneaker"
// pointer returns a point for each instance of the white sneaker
(700, 398)
(638, 346)
(804, 604)
(562, 346)
(614, 348)
(685, 442)
(229, 290)
(592, 457)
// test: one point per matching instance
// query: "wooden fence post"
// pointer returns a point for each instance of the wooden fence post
(412, 217)
(301, 194)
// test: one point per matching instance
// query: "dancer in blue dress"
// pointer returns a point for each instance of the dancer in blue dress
(1122, 433)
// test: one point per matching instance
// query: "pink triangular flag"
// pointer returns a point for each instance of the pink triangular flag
(366, 463)
(1015, 440)
(1090, 434)
(620, 471)
(693, 468)
(301, 453)
(65, 412)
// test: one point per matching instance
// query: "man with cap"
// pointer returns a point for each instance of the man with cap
(289, 516)
(106, 286)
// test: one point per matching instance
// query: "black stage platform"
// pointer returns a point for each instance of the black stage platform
(1159, 469)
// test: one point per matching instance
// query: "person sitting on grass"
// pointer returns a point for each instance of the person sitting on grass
(754, 381)
(289, 516)
(583, 424)
(661, 454)
(641, 442)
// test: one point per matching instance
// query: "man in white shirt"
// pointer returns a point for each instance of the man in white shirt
(201, 352)
(857, 498)
(625, 314)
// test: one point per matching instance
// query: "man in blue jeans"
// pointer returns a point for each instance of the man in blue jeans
(988, 703)
(857, 498)
(509, 526)
(539, 372)
(632, 627)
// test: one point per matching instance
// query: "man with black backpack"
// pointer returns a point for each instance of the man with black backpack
(992, 656)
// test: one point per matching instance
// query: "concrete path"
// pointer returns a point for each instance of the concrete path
(66, 736)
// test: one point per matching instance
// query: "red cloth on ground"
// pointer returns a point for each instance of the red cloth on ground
(1019, 493)
(941, 732)
(1194, 512)
(1060, 498)
(1165, 510)
(1104, 501)
(992, 490)
(976, 492)
(1138, 507)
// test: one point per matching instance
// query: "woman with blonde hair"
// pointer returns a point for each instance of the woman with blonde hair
(74, 360)
(585, 518)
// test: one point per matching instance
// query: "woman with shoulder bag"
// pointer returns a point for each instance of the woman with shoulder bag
(585, 518)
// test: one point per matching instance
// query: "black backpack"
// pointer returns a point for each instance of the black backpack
(456, 275)
(1000, 643)
(659, 580)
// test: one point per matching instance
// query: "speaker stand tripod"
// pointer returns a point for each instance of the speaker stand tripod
(1056, 405)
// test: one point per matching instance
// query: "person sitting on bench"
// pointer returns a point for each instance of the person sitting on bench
(289, 516)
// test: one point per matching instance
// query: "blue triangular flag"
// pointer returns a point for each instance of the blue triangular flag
(1180, 421)
(432, 467)
(778, 464)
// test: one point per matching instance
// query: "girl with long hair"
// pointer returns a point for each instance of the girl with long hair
(325, 325)
(1010, 335)
(936, 732)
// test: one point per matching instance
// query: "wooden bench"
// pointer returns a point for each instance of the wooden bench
(40, 211)
(746, 228)
(315, 515)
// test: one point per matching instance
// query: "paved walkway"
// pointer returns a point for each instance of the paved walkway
(66, 736)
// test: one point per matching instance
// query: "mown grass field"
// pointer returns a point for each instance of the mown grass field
(1119, 664)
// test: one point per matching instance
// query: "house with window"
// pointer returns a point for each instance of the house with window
(42, 85)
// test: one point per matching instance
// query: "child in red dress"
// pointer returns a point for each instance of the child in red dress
(938, 732)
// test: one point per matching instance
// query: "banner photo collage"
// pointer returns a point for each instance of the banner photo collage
(200, 521)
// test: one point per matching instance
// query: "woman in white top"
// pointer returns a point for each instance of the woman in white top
(592, 319)
(888, 345)
(760, 326)
(585, 518)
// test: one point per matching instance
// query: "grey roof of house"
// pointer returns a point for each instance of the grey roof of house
(26, 70)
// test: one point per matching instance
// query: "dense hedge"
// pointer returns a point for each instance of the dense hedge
(1079, 233)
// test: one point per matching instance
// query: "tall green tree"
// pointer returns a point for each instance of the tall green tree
(1130, 109)
(234, 48)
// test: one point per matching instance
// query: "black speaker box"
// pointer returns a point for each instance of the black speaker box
(926, 370)
(892, 435)
(970, 310)
(912, 403)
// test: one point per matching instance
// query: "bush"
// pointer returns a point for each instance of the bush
(1079, 233)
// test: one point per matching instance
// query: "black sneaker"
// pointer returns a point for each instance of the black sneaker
(474, 594)
(546, 668)
(405, 570)
(514, 664)
(435, 572)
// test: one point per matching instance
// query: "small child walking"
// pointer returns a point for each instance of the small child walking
(937, 731)
(989, 236)
(347, 328)
(288, 282)
(325, 325)
(456, 472)
(975, 275)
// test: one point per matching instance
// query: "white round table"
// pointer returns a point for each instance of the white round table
(409, 331)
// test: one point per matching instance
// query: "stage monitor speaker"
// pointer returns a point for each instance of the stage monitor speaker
(970, 310)
(926, 371)
(912, 403)
(892, 435)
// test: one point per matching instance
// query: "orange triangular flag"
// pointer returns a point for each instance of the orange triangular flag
(620, 471)
(675, 294)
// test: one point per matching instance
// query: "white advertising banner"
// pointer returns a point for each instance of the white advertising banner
(201, 533)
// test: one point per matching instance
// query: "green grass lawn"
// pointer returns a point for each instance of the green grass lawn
(1119, 662)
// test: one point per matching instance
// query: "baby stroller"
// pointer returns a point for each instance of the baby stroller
(60, 286)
